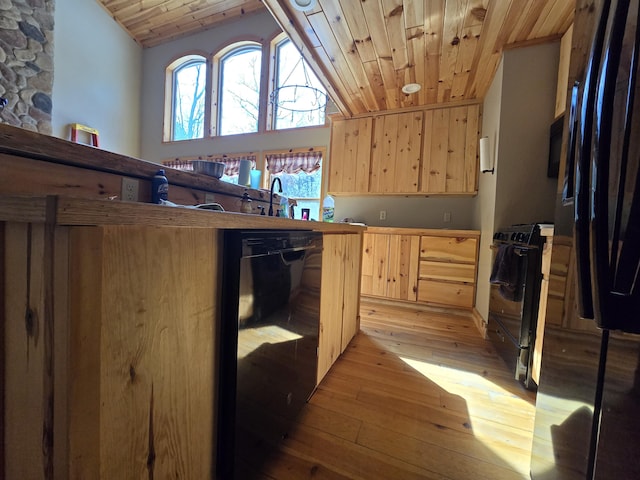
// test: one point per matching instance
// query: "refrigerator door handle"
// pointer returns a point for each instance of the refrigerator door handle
(627, 233)
(581, 202)
(568, 186)
(600, 162)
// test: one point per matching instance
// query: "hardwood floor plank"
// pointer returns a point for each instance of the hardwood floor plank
(435, 458)
(418, 394)
(353, 459)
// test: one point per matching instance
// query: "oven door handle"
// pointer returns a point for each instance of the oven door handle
(519, 251)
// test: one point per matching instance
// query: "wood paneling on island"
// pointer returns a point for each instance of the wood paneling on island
(142, 351)
(109, 325)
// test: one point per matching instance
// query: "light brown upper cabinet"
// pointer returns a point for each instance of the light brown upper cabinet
(431, 151)
(395, 153)
(351, 149)
(450, 150)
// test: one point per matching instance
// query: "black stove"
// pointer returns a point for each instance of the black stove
(523, 235)
(515, 296)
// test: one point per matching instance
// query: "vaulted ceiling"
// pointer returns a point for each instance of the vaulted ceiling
(364, 51)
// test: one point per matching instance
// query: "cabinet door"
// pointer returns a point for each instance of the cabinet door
(450, 150)
(349, 162)
(143, 309)
(368, 264)
(351, 298)
(375, 264)
(395, 154)
(404, 252)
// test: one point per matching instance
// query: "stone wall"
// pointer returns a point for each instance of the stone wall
(26, 63)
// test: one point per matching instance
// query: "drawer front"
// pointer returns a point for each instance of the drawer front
(449, 249)
(455, 272)
(445, 293)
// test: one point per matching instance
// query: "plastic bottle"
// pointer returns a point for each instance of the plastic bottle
(327, 209)
(159, 188)
(284, 207)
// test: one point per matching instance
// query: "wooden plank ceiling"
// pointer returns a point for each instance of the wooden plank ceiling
(364, 51)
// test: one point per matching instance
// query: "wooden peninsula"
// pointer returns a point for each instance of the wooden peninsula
(110, 313)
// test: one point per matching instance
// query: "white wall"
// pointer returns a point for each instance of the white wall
(155, 61)
(409, 212)
(97, 72)
(486, 200)
(524, 193)
(518, 111)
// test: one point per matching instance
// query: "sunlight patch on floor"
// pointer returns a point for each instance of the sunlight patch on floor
(480, 395)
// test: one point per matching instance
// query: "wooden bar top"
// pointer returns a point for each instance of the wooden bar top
(24, 143)
(78, 211)
(439, 232)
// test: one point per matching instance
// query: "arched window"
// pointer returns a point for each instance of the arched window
(187, 79)
(238, 96)
(298, 99)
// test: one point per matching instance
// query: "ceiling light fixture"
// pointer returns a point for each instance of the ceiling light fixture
(304, 5)
(410, 88)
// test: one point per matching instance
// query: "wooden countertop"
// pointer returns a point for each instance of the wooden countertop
(78, 211)
(439, 232)
(24, 143)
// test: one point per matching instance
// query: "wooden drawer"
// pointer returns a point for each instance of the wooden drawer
(445, 293)
(449, 249)
(455, 272)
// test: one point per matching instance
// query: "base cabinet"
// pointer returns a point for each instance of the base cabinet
(389, 265)
(340, 297)
(448, 270)
(113, 373)
(438, 269)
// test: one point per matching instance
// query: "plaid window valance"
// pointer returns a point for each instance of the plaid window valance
(293, 162)
(232, 162)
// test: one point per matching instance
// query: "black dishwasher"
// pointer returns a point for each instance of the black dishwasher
(270, 312)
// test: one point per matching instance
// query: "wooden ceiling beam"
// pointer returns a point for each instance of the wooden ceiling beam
(292, 26)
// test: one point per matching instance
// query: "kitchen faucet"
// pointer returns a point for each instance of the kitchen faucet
(271, 194)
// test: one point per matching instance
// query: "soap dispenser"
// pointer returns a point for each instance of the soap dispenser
(245, 204)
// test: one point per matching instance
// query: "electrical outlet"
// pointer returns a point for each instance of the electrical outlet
(383, 214)
(447, 217)
(129, 189)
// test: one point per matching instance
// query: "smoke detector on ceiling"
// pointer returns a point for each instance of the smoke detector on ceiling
(304, 5)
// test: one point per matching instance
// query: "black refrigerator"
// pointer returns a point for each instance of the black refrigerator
(588, 404)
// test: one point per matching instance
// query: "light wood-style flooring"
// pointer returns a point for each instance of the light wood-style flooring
(418, 394)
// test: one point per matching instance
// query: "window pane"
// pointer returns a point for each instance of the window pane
(188, 101)
(300, 98)
(240, 91)
(301, 185)
(230, 178)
